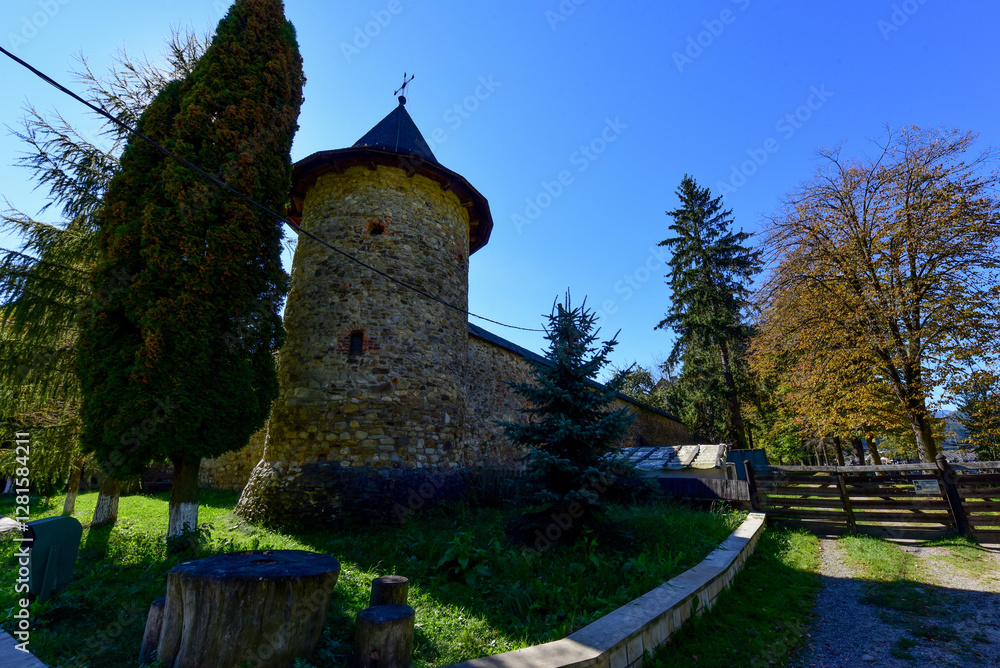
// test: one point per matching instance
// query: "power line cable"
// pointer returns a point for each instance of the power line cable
(222, 184)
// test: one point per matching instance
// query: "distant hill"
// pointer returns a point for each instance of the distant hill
(954, 430)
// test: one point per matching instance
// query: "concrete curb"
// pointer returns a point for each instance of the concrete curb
(620, 639)
(15, 658)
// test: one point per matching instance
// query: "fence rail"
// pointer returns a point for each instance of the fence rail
(896, 500)
(705, 488)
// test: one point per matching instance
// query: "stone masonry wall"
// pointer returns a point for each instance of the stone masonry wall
(398, 402)
(232, 470)
(489, 398)
(654, 428)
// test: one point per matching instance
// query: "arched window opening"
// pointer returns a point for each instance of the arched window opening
(357, 346)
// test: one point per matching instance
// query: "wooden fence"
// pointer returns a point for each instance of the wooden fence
(897, 500)
(705, 488)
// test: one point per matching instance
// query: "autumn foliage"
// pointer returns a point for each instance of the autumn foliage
(883, 283)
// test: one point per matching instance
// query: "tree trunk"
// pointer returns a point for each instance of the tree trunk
(151, 636)
(263, 608)
(184, 497)
(926, 447)
(389, 590)
(859, 450)
(732, 398)
(822, 456)
(838, 451)
(383, 637)
(106, 511)
(69, 505)
(872, 447)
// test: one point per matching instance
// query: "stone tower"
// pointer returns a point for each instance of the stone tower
(371, 371)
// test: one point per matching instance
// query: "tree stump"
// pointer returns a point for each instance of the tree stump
(267, 607)
(151, 638)
(384, 637)
(389, 590)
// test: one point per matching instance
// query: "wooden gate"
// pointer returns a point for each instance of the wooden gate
(897, 500)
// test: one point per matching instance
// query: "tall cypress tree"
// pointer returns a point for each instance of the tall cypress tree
(180, 363)
(709, 275)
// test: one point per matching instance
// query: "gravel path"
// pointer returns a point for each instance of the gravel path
(847, 633)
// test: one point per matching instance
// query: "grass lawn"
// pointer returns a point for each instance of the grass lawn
(474, 594)
(760, 620)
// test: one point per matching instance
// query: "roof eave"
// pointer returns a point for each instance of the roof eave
(306, 171)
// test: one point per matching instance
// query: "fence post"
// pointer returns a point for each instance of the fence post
(751, 486)
(947, 477)
(846, 500)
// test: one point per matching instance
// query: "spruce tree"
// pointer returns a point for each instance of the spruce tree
(571, 426)
(180, 364)
(710, 273)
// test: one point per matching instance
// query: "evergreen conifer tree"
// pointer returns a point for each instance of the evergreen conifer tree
(180, 365)
(46, 282)
(709, 275)
(571, 426)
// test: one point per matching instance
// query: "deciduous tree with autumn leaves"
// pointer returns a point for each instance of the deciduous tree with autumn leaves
(884, 279)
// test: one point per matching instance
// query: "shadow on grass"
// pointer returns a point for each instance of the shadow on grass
(955, 623)
(95, 546)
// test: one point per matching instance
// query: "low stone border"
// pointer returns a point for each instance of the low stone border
(620, 639)
(10, 657)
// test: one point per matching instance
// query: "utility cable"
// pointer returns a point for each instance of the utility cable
(225, 186)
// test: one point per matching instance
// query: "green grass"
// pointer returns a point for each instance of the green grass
(760, 620)
(473, 593)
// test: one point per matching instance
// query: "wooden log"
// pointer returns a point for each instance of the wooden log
(808, 514)
(789, 502)
(383, 637)
(981, 507)
(933, 518)
(855, 469)
(947, 481)
(984, 520)
(796, 479)
(151, 637)
(844, 498)
(799, 491)
(755, 500)
(265, 607)
(977, 478)
(389, 590)
(900, 504)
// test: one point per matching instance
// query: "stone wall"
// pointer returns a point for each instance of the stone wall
(655, 428)
(488, 399)
(492, 363)
(232, 470)
(393, 398)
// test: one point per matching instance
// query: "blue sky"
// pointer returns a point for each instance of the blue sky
(578, 119)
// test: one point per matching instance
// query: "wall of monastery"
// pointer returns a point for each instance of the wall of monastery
(371, 374)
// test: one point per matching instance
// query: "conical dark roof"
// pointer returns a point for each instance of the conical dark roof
(397, 133)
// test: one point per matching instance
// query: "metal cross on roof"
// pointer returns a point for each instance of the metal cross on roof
(401, 91)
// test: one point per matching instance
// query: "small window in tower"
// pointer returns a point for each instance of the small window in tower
(357, 344)
(375, 227)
